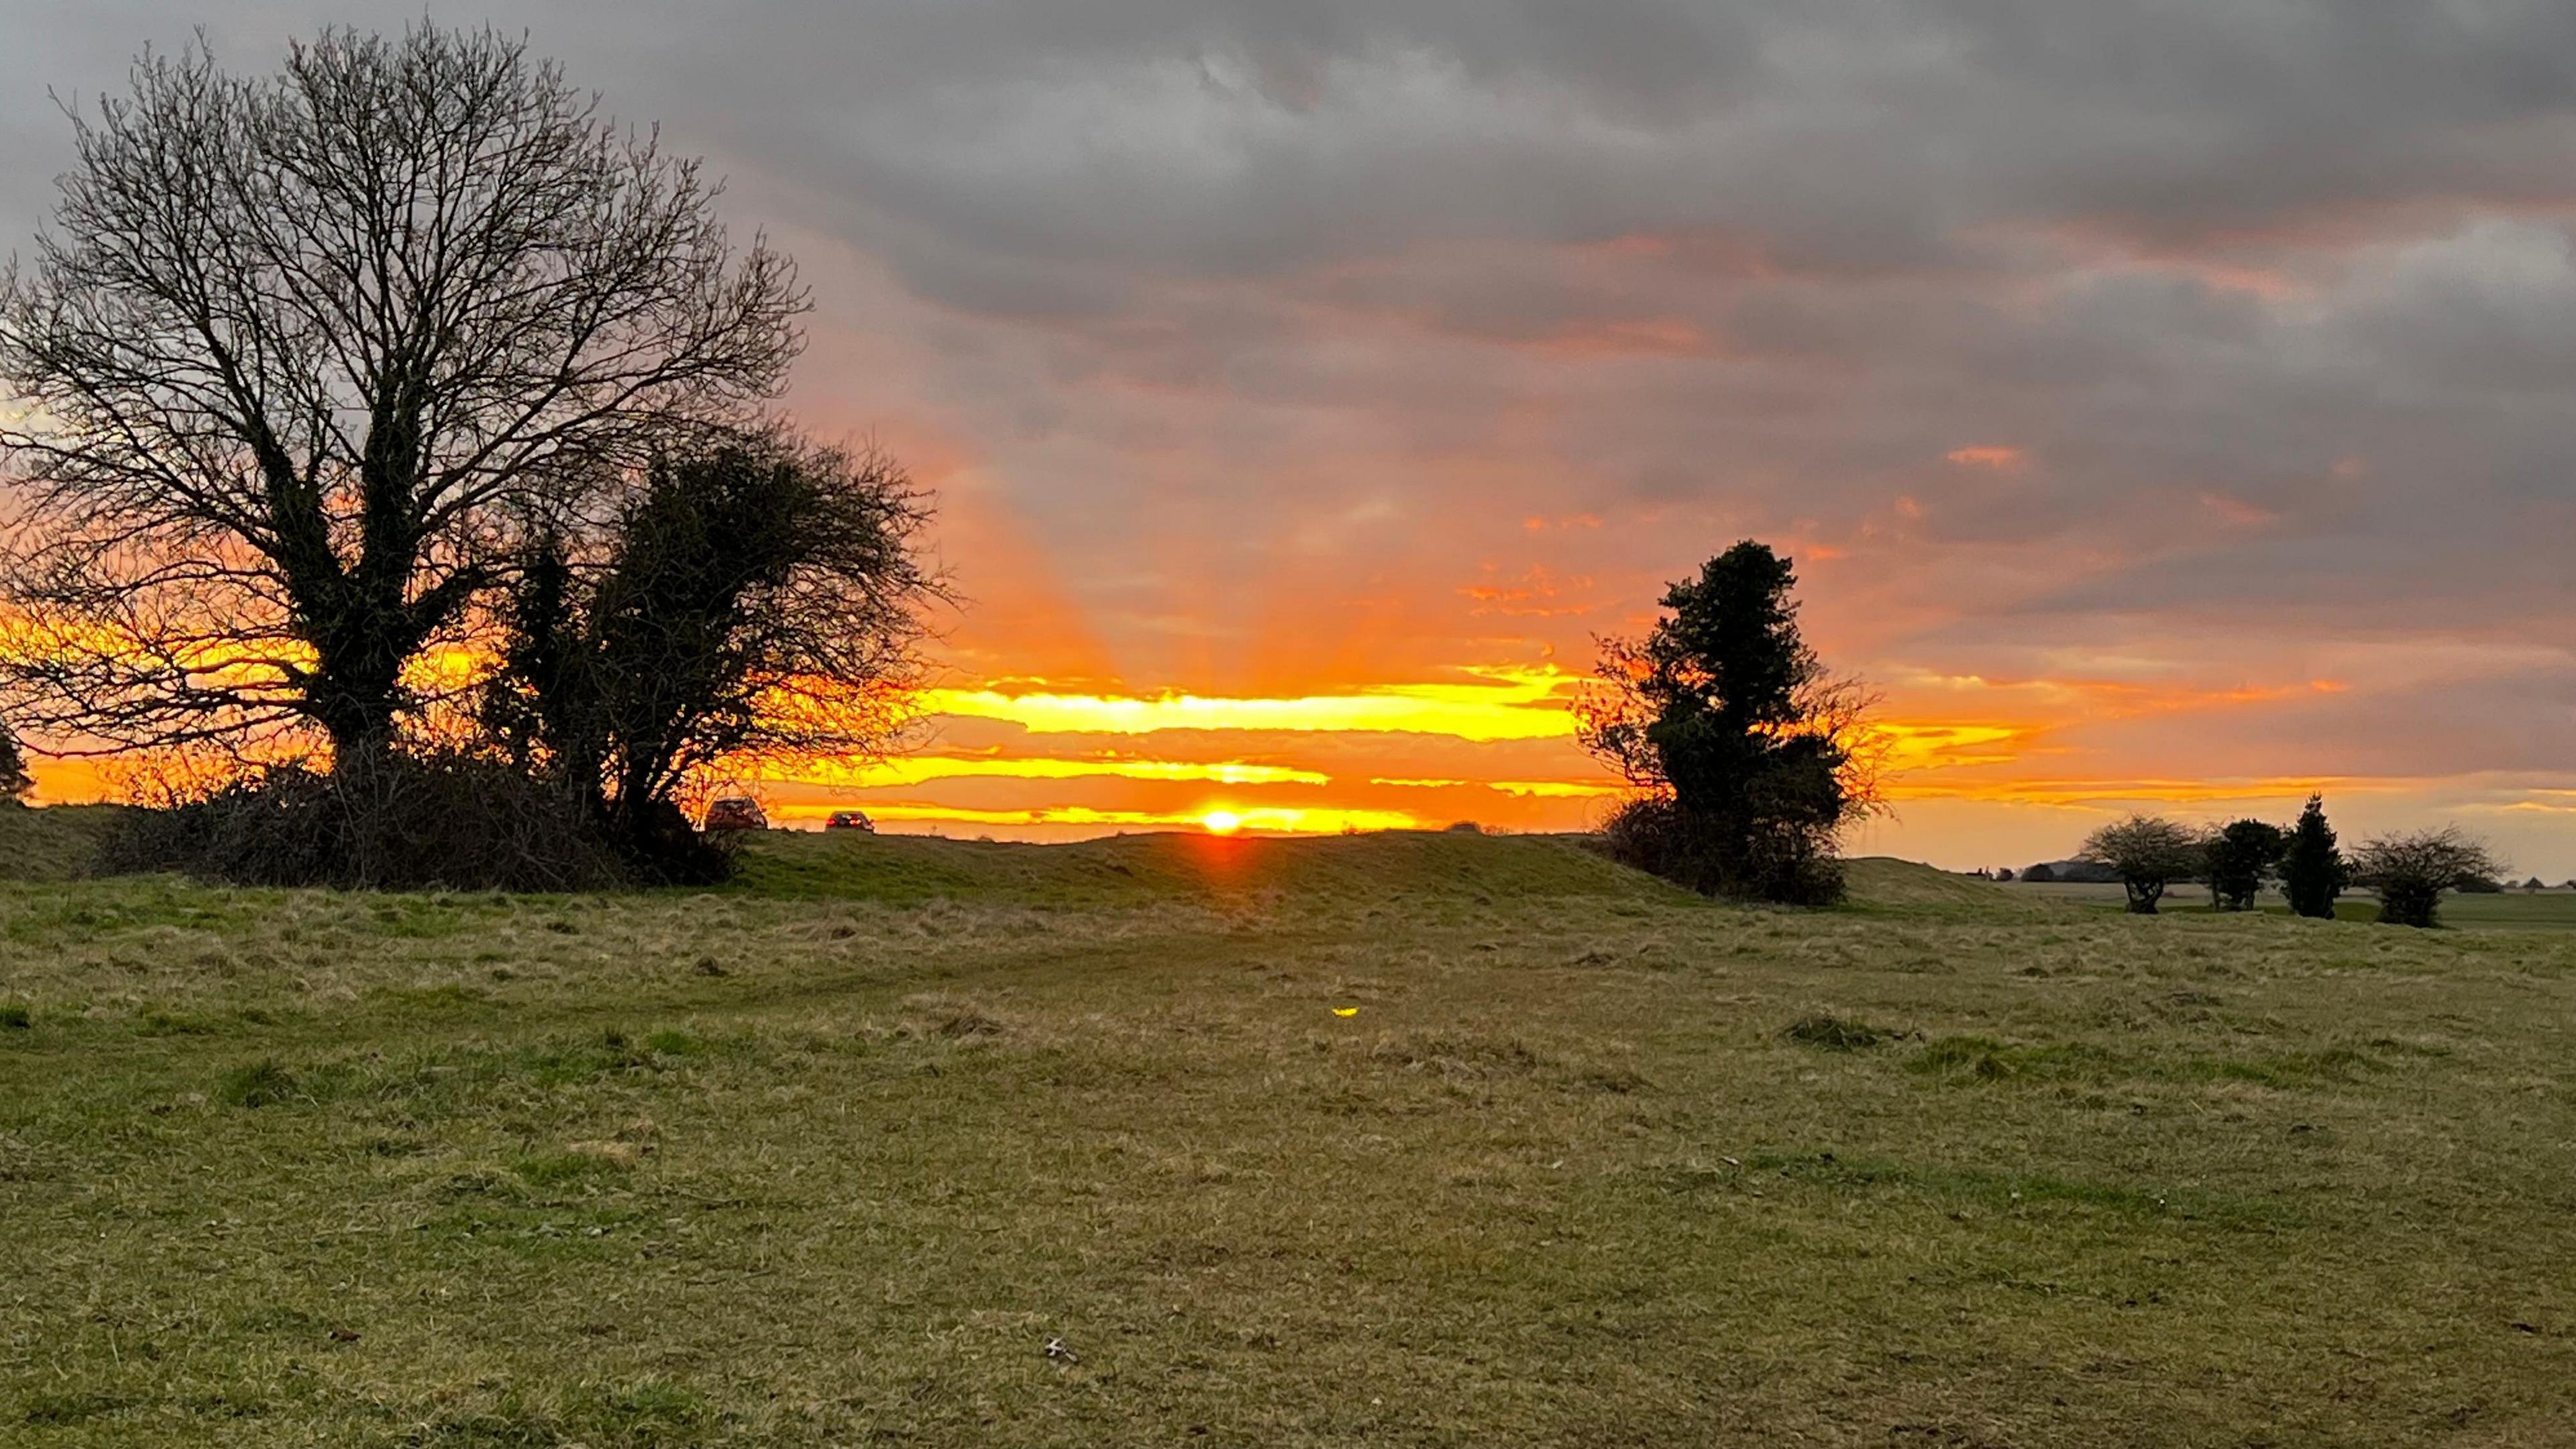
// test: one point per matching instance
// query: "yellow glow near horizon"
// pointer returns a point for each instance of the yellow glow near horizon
(1517, 704)
(1273, 819)
(916, 769)
(2115, 791)
(1527, 789)
(1221, 822)
(1912, 746)
(1559, 789)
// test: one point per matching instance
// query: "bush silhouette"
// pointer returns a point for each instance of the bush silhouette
(1752, 758)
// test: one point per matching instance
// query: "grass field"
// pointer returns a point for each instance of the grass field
(2512, 910)
(835, 1156)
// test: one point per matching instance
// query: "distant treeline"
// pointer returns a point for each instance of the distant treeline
(2238, 860)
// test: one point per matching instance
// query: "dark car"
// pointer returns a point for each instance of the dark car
(851, 820)
(736, 812)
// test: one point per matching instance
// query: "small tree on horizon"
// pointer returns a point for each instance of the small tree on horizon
(2148, 851)
(1750, 756)
(2313, 871)
(2240, 855)
(2411, 871)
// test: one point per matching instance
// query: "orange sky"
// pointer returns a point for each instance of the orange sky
(2165, 406)
(1344, 714)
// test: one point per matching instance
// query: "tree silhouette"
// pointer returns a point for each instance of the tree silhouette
(2239, 856)
(302, 351)
(760, 596)
(2313, 871)
(2148, 851)
(2411, 871)
(15, 782)
(1752, 758)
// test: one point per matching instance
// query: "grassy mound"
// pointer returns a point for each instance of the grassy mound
(1140, 869)
(1885, 883)
(1392, 865)
(52, 843)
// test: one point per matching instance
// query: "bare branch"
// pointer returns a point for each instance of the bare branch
(342, 329)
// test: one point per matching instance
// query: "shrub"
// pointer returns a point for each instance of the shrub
(395, 822)
(2411, 872)
(1656, 834)
(2041, 874)
(2239, 857)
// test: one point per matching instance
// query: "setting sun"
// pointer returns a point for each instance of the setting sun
(1221, 822)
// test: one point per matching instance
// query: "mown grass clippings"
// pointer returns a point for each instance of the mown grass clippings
(1836, 1034)
(264, 1083)
(1985, 1059)
(47, 1410)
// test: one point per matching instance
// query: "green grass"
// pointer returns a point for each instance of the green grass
(2512, 910)
(834, 1156)
(50, 844)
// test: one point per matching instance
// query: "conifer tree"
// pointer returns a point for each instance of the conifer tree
(1751, 756)
(2313, 872)
(15, 782)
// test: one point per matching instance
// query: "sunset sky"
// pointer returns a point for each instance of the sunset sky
(2168, 407)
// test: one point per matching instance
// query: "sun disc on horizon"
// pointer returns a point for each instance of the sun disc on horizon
(1221, 822)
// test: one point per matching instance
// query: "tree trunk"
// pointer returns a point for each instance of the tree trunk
(355, 691)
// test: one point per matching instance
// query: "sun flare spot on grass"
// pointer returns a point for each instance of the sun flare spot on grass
(1346, 1011)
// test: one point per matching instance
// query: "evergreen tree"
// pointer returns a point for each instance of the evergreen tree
(2240, 856)
(2313, 872)
(1753, 757)
(15, 782)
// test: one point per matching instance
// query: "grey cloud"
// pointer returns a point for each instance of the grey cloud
(2276, 297)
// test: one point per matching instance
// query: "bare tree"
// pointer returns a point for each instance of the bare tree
(2411, 871)
(304, 348)
(2148, 851)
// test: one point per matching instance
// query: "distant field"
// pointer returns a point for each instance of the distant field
(2513, 910)
(834, 1157)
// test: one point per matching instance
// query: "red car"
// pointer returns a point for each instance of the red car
(735, 812)
(851, 820)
